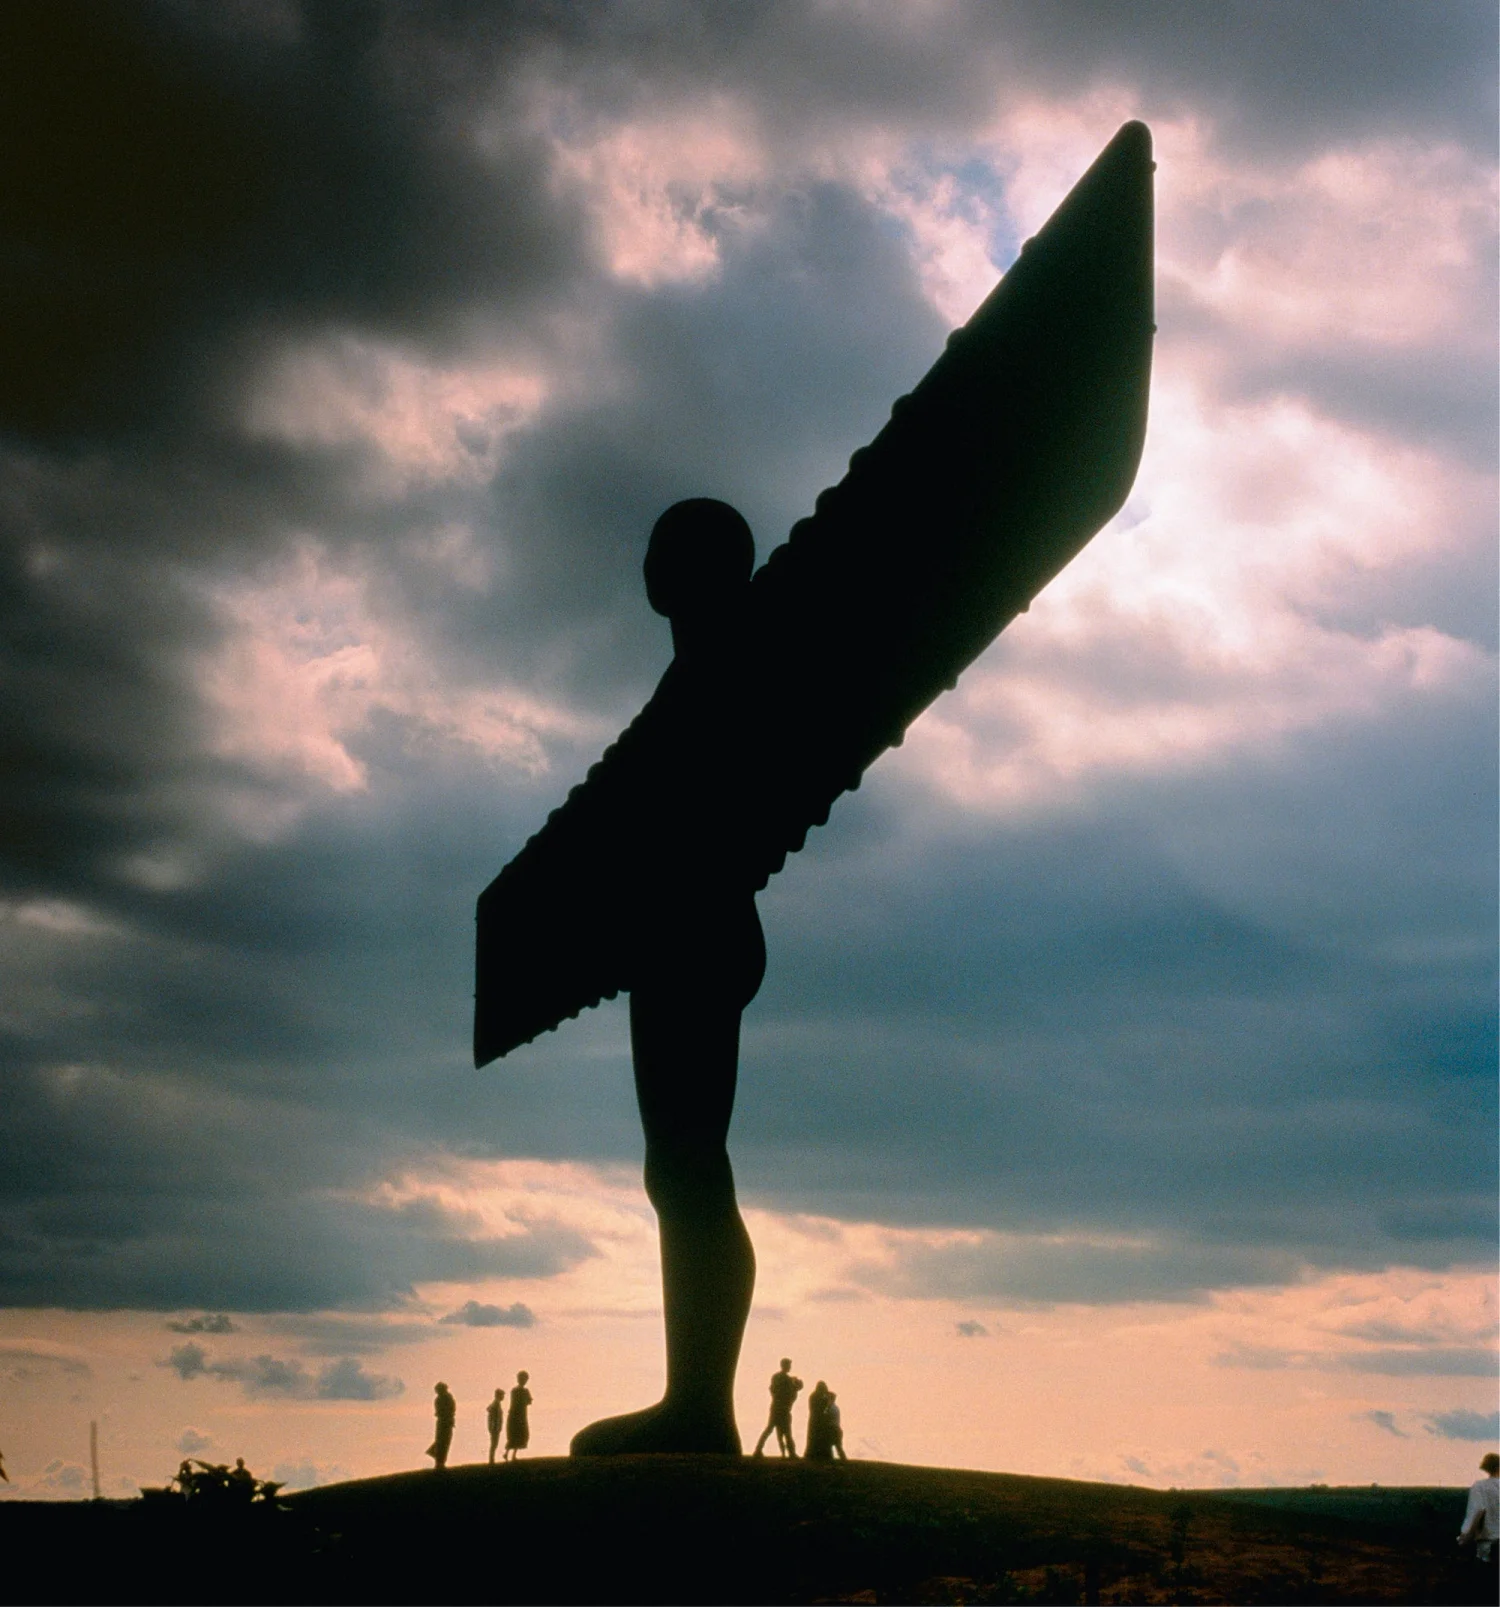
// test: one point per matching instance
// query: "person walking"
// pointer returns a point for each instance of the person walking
(518, 1424)
(492, 1416)
(445, 1413)
(1482, 1519)
(784, 1390)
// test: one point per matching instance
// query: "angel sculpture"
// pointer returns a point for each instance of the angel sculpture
(1020, 443)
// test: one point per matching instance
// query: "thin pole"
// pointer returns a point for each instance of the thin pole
(94, 1456)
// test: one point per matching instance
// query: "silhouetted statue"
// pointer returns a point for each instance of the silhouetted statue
(445, 1414)
(784, 1390)
(1018, 445)
(493, 1414)
(518, 1424)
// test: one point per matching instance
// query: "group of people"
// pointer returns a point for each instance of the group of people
(825, 1429)
(218, 1482)
(516, 1422)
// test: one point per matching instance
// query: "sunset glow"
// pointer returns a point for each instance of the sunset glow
(1120, 1101)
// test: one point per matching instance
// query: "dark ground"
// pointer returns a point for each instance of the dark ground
(722, 1529)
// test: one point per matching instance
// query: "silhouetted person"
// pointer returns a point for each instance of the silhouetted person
(833, 1427)
(1482, 1519)
(493, 1413)
(825, 1429)
(819, 1444)
(3, 1474)
(518, 1424)
(784, 1391)
(445, 1414)
(241, 1481)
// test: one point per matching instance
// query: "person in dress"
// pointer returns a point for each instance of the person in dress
(1482, 1520)
(445, 1414)
(493, 1413)
(833, 1427)
(818, 1447)
(518, 1424)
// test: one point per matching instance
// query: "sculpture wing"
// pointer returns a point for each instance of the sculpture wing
(1019, 444)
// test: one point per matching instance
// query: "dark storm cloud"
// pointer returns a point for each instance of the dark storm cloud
(1436, 1361)
(23, 1365)
(173, 183)
(1316, 74)
(1083, 1027)
(217, 1323)
(206, 1067)
(127, 1192)
(1049, 1272)
(329, 1334)
(1463, 1424)
(341, 1380)
(474, 1314)
(1419, 1361)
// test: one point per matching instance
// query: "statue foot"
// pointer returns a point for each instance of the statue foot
(658, 1429)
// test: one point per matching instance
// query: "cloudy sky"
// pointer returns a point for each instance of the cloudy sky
(1120, 1101)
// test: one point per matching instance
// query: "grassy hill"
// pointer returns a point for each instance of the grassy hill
(722, 1529)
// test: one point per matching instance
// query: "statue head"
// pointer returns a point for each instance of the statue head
(700, 555)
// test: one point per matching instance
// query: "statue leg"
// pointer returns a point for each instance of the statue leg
(684, 1035)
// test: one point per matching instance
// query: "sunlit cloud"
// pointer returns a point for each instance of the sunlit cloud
(660, 190)
(1204, 620)
(422, 422)
(308, 660)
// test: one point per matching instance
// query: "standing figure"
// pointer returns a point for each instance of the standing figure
(1482, 1520)
(819, 1448)
(492, 1416)
(445, 1413)
(518, 1424)
(784, 1391)
(833, 1427)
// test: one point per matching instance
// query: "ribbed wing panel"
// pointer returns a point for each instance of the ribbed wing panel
(1019, 444)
